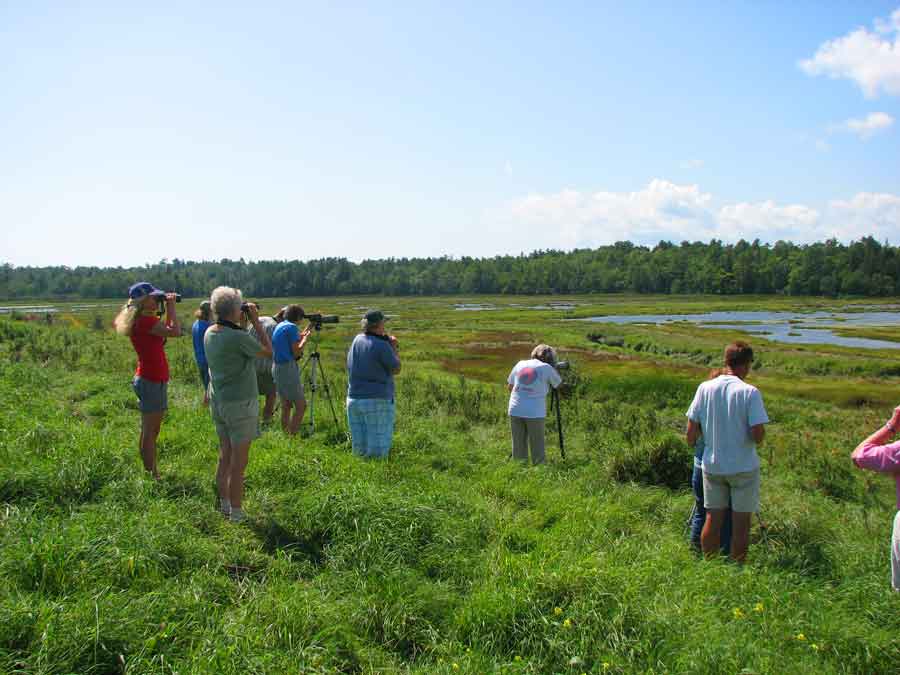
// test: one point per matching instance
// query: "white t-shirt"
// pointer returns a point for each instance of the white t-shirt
(725, 408)
(531, 381)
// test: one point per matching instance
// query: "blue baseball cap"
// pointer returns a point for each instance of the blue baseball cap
(142, 289)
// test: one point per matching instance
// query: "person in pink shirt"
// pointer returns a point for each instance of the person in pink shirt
(872, 454)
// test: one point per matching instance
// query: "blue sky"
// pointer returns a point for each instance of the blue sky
(130, 134)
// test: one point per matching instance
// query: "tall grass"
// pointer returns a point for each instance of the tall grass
(448, 557)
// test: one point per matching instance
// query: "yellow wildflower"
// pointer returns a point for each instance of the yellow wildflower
(567, 623)
(758, 607)
(455, 666)
(738, 613)
(557, 610)
(607, 665)
(801, 637)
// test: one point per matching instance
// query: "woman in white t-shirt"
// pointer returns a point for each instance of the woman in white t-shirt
(528, 384)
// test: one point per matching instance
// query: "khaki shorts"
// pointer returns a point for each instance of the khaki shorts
(740, 489)
(236, 421)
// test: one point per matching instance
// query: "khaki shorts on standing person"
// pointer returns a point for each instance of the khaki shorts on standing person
(739, 491)
(527, 431)
(236, 421)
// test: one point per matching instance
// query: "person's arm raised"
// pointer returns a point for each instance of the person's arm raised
(395, 346)
(171, 327)
(873, 454)
(261, 334)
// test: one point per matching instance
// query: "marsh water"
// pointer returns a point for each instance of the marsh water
(796, 327)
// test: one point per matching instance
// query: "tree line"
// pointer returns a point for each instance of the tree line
(828, 268)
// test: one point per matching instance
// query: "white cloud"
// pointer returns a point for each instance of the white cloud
(865, 127)
(869, 58)
(662, 210)
(768, 221)
(507, 168)
(692, 164)
(665, 210)
(866, 213)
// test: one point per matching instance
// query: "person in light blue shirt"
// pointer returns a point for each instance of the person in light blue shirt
(287, 348)
(698, 515)
(198, 330)
(730, 415)
(372, 362)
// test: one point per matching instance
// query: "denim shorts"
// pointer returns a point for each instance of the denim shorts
(153, 397)
(287, 381)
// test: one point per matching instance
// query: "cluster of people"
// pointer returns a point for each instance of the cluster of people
(241, 355)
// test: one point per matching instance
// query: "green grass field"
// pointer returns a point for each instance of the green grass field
(448, 557)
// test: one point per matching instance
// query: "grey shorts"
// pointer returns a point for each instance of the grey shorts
(236, 421)
(265, 383)
(287, 381)
(742, 489)
(153, 397)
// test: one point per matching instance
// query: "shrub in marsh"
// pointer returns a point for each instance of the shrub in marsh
(663, 460)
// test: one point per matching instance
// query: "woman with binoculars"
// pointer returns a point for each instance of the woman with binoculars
(231, 353)
(139, 319)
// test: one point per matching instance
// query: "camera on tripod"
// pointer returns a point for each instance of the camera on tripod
(318, 319)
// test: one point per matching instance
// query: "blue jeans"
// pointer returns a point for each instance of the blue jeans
(700, 514)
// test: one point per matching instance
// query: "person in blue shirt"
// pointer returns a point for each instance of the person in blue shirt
(372, 362)
(198, 330)
(287, 348)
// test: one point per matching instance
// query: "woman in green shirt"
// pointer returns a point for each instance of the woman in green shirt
(233, 392)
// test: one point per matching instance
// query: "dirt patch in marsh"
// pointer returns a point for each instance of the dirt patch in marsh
(485, 358)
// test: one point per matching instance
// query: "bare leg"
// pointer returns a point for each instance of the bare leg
(150, 426)
(710, 537)
(223, 471)
(297, 419)
(740, 535)
(239, 455)
(269, 409)
(285, 416)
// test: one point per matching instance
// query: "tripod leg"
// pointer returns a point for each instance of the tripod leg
(328, 395)
(554, 399)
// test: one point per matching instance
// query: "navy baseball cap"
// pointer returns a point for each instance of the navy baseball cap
(375, 316)
(142, 289)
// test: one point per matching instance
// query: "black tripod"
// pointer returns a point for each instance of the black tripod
(315, 371)
(554, 403)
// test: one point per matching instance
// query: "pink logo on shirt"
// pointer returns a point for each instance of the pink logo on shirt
(526, 376)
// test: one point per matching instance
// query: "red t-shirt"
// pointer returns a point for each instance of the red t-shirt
(152, 364)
